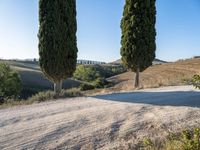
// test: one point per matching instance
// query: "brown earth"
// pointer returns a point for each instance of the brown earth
(168, 74)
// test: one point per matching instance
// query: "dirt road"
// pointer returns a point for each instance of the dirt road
(101, 122)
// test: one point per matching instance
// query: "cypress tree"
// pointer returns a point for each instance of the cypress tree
(57, 40)
(138, 35)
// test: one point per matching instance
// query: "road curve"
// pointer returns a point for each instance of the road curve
(100, 122)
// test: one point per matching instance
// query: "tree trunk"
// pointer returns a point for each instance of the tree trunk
(58, 87)
(137, 78)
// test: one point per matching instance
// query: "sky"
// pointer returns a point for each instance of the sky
(99, 33)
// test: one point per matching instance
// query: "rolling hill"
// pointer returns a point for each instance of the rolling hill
(33, 79)
(155, 62)
(175, 73)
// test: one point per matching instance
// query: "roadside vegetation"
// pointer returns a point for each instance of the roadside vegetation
(42, 97)
(186, 140)
(196, 81)
(10, 83)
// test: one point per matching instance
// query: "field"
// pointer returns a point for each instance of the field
(167, 74)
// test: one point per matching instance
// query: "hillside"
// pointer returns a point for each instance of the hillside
(159, 75)
(33, 79)
(155, 62)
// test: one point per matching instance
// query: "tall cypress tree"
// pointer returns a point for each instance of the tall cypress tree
(138, 35)
(57, 39)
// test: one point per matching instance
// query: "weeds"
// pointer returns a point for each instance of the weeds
(42, 97)
(186, 140)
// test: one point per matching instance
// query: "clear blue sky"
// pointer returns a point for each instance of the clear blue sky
(178, 29)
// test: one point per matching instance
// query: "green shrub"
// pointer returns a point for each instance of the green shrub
(73, 92)
(100, 83)
(89, 73)
(86, 73)
(10, 83)
(196, 81)
(85, 87)
(110, 70)
(94, 75)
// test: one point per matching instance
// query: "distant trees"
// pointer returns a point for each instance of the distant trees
(138, 35)
(57, 40)
(92, 76)
(86, 73)
(10, 83)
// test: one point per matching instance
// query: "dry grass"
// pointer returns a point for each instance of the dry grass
(169, 74)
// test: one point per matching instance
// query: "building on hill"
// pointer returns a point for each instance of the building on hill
(89, 62)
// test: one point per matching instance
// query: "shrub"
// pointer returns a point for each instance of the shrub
(86, 73)
(73, 92)
(109, 71)
(50, 95)
(186, 140)
(89, 73)
(10, 83)
(196, 81)
(100, 82)
(85, 87)
(42, 97)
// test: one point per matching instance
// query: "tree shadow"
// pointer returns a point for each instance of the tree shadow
(177, 98)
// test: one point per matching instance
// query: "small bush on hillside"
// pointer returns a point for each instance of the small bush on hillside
(10, 83)
(94, 75)
(196, 81)
(187, 140)
(109, 71)
(86, 73)
(85, 87)
(100, 83)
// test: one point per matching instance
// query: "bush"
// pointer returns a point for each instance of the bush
(96, 75)
(89, 73)
(10, 83)
(86, 73)
(50, 95)
(196, 81)
(100, 83)
(42, 97)
(85, 87)
(187, 140)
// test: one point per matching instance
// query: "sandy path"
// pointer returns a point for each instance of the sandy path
(99, 122)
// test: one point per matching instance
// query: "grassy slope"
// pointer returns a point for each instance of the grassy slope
(33, 78)
(155, 76)
(159, 75)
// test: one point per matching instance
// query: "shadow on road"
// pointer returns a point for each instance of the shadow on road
(177, 98)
